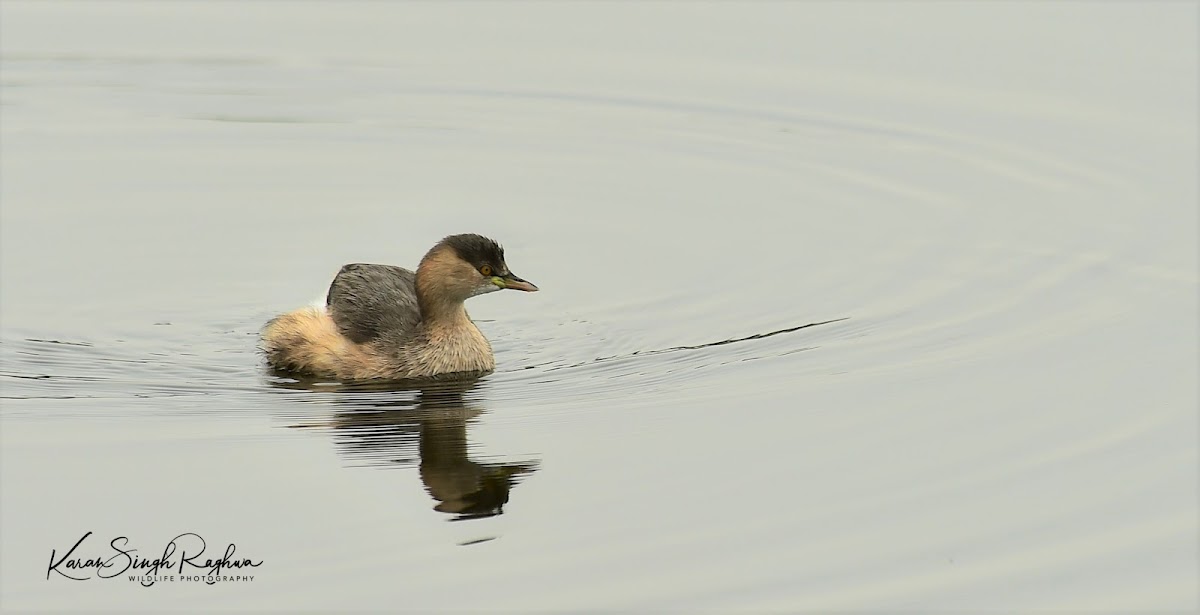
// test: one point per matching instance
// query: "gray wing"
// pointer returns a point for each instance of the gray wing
(367, 301)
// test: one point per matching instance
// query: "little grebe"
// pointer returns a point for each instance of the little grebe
(385, 322)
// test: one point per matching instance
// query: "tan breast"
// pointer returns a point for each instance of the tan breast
(457, 347)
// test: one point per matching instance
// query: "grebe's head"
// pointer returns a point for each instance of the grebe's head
(462, 266)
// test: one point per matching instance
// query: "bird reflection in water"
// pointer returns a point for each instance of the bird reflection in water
(383, 425)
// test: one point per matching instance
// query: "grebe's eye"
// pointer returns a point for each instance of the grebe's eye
(486, 270)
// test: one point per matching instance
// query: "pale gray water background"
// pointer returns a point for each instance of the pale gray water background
(1001, 199)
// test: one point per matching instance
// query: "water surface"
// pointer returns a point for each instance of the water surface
(986, 211)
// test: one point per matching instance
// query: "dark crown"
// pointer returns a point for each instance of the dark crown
(476, 249)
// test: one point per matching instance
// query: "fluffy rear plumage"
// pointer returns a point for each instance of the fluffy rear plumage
(308, 341)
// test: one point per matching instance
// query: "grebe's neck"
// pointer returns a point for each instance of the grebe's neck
(435, 304)
(440, 291)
